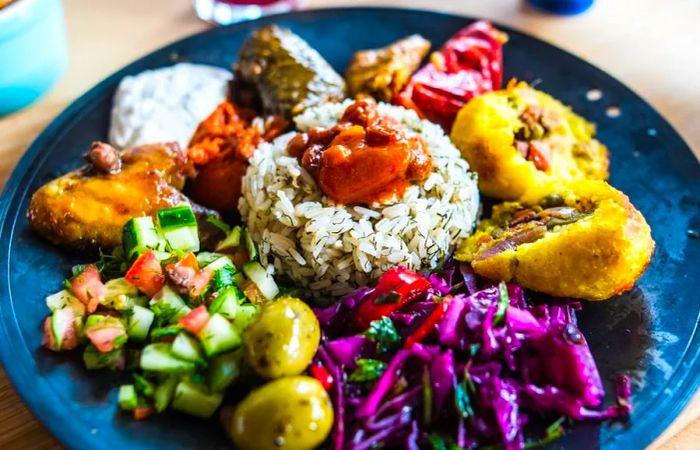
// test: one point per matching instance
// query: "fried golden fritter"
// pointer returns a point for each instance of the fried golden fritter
(520, 140)
(88, 207)
(383, 72)
(584, 240)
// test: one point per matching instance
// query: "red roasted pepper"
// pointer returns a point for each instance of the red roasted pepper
(428, 325)
(470, 63)
(402, 284)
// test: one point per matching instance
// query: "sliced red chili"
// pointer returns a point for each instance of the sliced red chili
(428, 325)
(321, 374)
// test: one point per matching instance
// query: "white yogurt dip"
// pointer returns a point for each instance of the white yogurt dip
(165, 105)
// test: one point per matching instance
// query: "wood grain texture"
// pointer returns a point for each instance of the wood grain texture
(650, 45)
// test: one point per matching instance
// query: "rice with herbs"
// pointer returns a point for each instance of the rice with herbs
(332, 249)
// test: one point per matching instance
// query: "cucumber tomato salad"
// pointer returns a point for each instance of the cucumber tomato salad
(176, 315)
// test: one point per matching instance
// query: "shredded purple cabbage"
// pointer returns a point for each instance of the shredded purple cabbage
(492, 362)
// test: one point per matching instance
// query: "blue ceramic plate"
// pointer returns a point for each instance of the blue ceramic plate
(650, 332)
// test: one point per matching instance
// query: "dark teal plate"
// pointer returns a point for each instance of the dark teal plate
(650, 332)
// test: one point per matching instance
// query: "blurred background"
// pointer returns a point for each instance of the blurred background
(650, 45)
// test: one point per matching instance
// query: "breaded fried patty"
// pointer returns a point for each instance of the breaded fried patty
(519, 140)
(583, 240)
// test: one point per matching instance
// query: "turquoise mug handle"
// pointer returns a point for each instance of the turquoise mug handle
(33, 51)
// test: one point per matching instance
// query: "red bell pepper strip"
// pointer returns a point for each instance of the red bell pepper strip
(401, 283)
(322, 375)
(146, 274)
(428, 325)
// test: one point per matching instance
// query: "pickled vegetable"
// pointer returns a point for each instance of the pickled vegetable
(292, 413)
(383, 72)
(283, 340)
(286, 74)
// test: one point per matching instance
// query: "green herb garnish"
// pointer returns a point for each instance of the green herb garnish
(367, 370)
(383, 333)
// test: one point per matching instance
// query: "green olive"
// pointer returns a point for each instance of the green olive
(290, 413)
(283, 340)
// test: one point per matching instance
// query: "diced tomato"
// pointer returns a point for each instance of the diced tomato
(428, 325)
(321, 374)
(539, 154)
(88, 287)
(397, 282)
(69, 340)
(189, 260)
(47, 340)
(143, 412)
(146, 274)
(195, 320)
(108, 335)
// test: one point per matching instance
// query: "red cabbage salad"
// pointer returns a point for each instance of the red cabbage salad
(455, 362)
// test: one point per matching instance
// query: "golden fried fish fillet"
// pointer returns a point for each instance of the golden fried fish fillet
(519, 140)
(584, 240)
(88, 207)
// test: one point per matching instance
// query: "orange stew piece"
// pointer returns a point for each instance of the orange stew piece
(365, 158)
(220, 148)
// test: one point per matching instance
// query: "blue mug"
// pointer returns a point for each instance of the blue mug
(33, 51)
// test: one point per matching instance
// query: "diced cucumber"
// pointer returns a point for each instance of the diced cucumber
(65, 298)
(62, 320)
(170, 330)
(246, 315)
(120, 294)
(144, 386)
(250, 246)
(94, 359)
(227, 302)
(164, 393)
(179, 227)
(94, 319)
(139, 322)
(190, 400)
(219, 263)
(128, 399)
(162, 255)
(168, 305)
(158, 358)
(218, 336)
(232, 240)
(206, 258)
(224, 370)
(263, 280)
(139, 235)
(183, 239)
(176, 217)
(186, 347)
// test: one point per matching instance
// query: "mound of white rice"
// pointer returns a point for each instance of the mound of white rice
(332, 249)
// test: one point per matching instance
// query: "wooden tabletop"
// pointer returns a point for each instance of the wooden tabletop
(652, 46)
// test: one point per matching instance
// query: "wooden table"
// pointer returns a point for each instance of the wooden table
(651, 45)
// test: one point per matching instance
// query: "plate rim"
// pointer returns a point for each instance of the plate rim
(68, 433)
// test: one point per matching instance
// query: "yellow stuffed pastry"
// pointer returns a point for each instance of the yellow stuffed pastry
(584, 240)
(519, 140)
